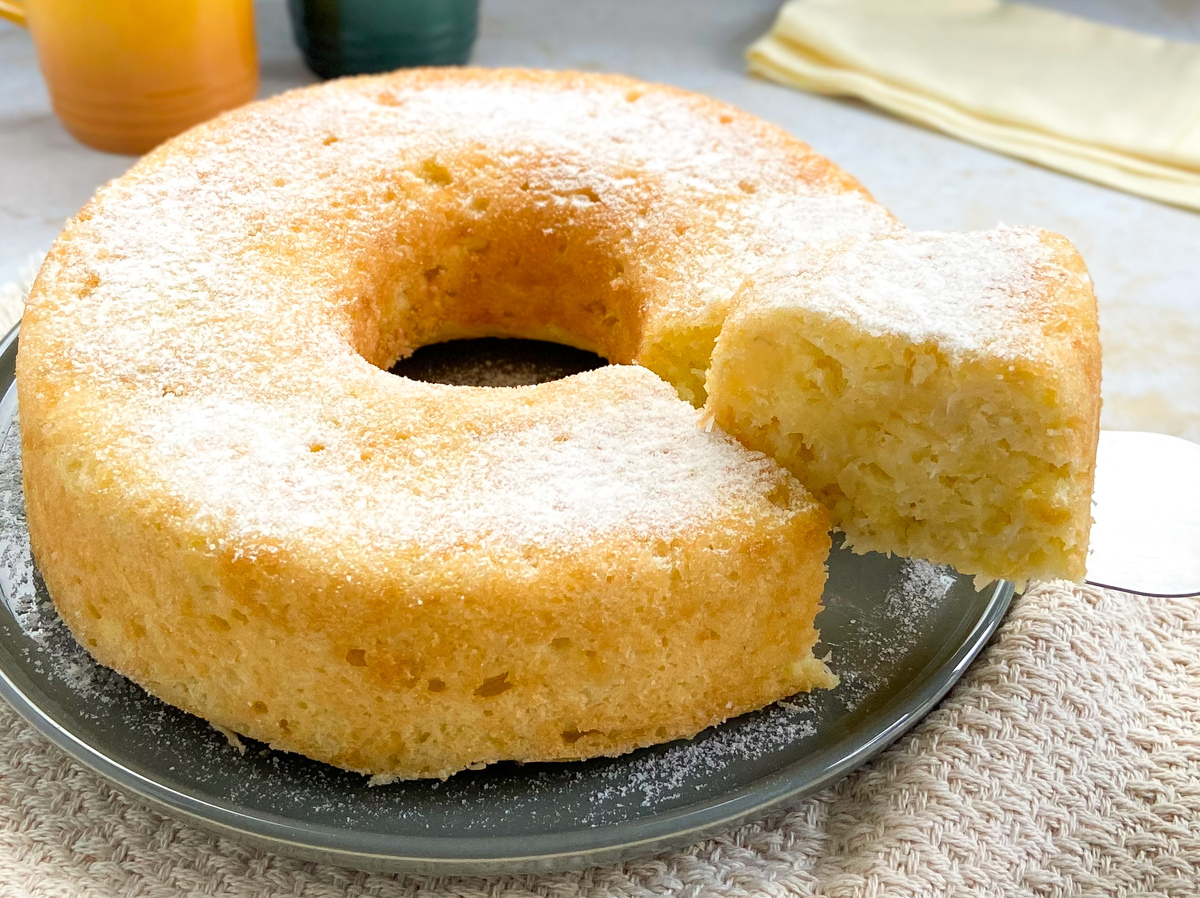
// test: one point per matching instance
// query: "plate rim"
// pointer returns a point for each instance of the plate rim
(679, 826)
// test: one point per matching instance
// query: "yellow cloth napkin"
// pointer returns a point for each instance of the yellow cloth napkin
(1103, 103)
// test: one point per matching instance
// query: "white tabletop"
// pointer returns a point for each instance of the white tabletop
(1144, 256)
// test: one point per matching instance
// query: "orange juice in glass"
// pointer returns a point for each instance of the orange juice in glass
(124, 75)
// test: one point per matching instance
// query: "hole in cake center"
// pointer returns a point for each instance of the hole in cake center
(496, 362)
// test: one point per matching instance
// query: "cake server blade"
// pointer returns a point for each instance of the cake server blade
(1146, 510)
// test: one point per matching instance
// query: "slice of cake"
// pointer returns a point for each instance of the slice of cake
(940, 393)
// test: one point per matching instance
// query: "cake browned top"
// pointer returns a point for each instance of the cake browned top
(214, 328)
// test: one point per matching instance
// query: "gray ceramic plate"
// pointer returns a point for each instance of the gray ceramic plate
(900, 632)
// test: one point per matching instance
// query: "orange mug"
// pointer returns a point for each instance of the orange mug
(124, 75)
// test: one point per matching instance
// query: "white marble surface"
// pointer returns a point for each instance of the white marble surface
(1145, 257)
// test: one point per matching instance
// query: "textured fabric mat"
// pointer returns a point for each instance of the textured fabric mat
(1066, 762)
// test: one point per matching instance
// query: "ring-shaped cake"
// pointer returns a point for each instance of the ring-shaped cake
(236, 505)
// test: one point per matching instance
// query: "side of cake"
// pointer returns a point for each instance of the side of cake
(939, 393)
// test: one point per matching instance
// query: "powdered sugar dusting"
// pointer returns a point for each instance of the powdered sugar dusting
(966, 292)
(703, 199)
(208, 308)
(922, 588)
(16, 558)
(907, 606)
(634, 464)
(652, 778)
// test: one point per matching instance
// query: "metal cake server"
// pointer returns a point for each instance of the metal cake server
(1146, 507)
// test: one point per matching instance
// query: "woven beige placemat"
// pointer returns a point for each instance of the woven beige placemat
(1066, 762)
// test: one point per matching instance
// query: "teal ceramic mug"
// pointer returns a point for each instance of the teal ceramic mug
(355, 37)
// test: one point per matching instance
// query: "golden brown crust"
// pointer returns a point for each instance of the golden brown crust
(234, 505)
(382, 678)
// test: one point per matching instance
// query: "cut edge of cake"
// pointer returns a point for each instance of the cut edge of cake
(938, 392)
